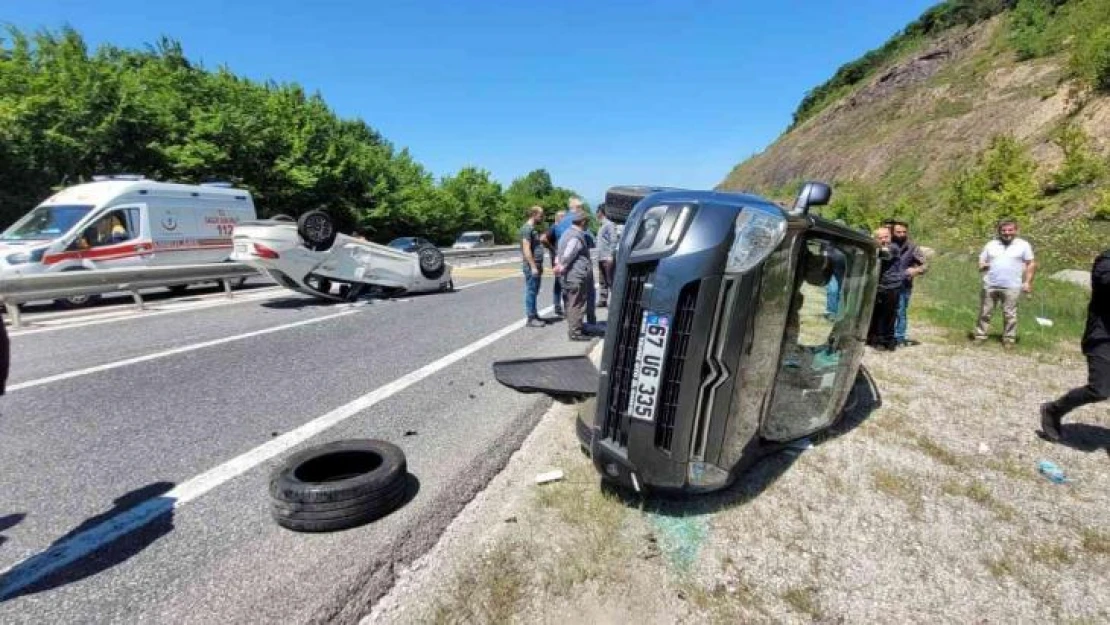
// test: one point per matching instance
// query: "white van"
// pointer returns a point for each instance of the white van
(125, 221)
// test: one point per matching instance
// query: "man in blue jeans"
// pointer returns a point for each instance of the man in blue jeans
(917, 264)
(531, 254)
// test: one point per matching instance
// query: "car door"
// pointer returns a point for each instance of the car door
(821, 349)
(113, 240)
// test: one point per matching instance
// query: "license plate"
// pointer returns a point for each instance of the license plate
(655, 331)
(240, 248)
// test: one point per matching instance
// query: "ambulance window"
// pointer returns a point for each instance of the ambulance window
(118, 226)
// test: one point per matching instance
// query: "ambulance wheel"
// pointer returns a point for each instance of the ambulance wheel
(317, 229)
(77, 301)
(431, 261)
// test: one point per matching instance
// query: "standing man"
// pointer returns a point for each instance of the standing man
(1096, 347)
(531, 252)
(574, 265)
(551, 242)
(916, 264)
(5, 356)
(885, 314)
(1007, 265)
(608, 234)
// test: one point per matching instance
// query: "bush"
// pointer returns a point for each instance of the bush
(1081, 165)
(1028, 28)
(1001, 184)
(1091, 58)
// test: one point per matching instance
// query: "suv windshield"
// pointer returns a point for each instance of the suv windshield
(468, 238)
(45, 222)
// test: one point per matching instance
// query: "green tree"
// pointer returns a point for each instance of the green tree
(1001, 184)
(1081, 165)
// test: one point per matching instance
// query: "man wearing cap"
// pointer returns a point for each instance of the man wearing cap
(574, 265)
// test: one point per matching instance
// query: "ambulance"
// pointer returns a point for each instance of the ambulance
(124, 221)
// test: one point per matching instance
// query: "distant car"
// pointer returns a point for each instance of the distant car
(408, 244)
(311, 257)
(474, 239)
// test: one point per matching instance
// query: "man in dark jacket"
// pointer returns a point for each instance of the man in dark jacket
(892, 271)
(1096, 347)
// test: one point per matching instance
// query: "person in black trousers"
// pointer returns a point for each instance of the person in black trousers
(885, 314)
(5, 355)
(1096, 347)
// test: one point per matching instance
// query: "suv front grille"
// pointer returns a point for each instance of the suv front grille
(672, 370)
(624, 352)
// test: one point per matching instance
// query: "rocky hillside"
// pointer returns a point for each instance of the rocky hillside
(906, 132)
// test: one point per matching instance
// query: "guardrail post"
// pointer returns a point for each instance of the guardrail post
(138, 299)
(227, 288)
(15, 314)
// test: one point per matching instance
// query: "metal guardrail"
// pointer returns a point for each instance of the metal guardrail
(478, 252)
(49, 286)
(38, 287)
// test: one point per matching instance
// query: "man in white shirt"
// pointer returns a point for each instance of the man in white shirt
(1007, 265)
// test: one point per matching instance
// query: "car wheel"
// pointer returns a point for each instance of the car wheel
(317, 229)
(77, 301)
(431, 261)
(338, 485)
(619, 201)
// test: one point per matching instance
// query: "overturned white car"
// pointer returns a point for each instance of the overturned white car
(309, 256)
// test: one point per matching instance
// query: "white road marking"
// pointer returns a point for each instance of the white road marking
(117, 316)
(28, 571)
(173, 352)
(473, 284)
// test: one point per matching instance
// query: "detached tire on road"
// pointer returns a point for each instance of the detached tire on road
(317, 229)
(338, 485)
(431, 261)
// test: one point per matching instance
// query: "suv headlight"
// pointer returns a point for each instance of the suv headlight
(649, 227)
(21, 258)
(757, 234)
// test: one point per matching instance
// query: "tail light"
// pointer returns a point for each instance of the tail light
(264, 252)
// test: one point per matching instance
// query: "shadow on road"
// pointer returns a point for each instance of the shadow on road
(863, 400)
(297, 303)
(9, 521)
(80, 552)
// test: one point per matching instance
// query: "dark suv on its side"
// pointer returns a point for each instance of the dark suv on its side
(720, 344)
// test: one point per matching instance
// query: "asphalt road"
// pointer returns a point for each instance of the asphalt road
(186, 413)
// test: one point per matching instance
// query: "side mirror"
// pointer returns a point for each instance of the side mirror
(812, 194)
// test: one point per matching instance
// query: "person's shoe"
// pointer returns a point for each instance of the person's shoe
(1050, 425)
(558, 312)
(536, 322)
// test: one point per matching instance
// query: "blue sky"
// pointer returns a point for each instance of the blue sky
(598, 93)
